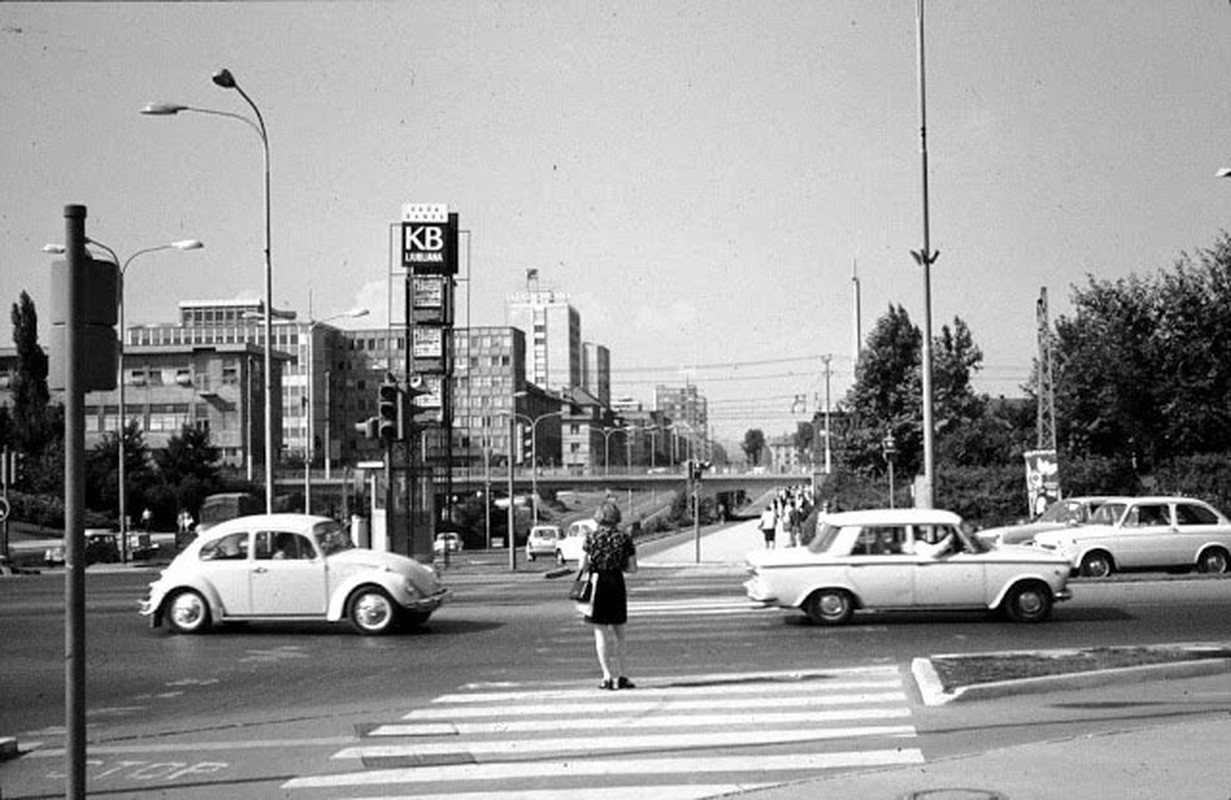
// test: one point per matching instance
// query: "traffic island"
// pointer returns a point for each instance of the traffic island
(979, 676)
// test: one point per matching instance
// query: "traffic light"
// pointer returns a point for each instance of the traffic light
(416, 387)
(12, 467)
(389, 414)
(697, 469)
(367, 427)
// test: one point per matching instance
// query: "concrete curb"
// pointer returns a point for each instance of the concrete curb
(933, 693)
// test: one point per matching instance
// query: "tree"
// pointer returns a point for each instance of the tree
(31, 428)
(102, 469)
(189, 470)
(888, 393)
(754, 443)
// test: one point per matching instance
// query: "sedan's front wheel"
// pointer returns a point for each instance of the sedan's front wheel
(371, 612)
(829, 606)
(1028, 602)
(187, 612)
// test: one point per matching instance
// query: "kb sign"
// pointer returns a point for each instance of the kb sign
(429, 239)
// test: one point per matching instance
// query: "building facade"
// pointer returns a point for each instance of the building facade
(553, 344)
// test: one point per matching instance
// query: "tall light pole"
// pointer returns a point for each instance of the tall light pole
(607, 448)
(121, 480)
(533, 422)
(309, 389)
(224, 79)
(925, 258)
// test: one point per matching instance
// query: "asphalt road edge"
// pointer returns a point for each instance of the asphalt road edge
(932, 690)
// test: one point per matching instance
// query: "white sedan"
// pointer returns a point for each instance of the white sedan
(1146, 533)
(288, 567)
(894, 559)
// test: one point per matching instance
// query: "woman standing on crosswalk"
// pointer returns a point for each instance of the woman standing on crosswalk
(608, 553)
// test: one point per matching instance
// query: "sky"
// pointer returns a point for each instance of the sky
(702, 179)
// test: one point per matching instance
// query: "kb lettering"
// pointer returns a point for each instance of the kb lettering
(426, 237)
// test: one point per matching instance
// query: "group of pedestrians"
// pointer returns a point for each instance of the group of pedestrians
(783, 518)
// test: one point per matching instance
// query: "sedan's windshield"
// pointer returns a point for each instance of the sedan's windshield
(824, 538)
(333, 538)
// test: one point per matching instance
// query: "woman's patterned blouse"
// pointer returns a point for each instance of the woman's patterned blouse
(609, 549)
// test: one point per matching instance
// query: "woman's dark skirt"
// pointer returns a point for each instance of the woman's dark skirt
(610, 599)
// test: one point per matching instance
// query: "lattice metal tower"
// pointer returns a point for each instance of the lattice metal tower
(1045, 388)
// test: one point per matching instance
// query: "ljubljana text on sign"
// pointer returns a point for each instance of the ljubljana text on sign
(429, 239)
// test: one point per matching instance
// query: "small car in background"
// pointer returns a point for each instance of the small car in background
(570, 547)
(542, 541)
(447, 542)
(1178, 533)
(102, 546)
(289, 567)
(905, 559)
(1061, 514)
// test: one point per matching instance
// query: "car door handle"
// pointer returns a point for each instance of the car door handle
(259, 570)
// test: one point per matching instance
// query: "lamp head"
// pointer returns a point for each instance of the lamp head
(54, 249)
(1225, 172)
(224, 78)
(188, 244)
(163, 109)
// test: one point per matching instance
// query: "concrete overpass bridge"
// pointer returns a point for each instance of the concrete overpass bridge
(714, 483)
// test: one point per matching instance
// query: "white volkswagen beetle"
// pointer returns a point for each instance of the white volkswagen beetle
(289, 567)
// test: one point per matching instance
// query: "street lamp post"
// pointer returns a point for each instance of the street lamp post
(309, 445)
(533, 422)
(925, 258)
(224, 79)
(607, 448)
(121, 467)
(889, 448)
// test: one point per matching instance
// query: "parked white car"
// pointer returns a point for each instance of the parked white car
(289, 567)
(543, 540)
(897, 559)
(1146, 533)
(570, 547)
(1067, 513)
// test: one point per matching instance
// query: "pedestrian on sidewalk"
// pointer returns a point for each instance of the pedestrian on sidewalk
(609, 553)
(768, 525)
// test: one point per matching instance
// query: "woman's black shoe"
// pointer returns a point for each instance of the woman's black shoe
(608, 684)
(625, 683)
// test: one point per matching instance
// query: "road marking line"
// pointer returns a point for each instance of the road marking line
(757, 765)
(188, 747)
(614, 721)
(555, 710)
(685, 791)
(651, 689)
(582, 746)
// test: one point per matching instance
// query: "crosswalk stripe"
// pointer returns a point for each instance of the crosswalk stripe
(692, 688)
(686, 791)
(558, 709)
(753, 765)
(580, 746)
(616, 721)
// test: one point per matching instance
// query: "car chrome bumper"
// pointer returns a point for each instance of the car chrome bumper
(1063, 594)
(431, 602)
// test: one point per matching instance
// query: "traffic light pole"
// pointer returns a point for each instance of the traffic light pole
(74, 507)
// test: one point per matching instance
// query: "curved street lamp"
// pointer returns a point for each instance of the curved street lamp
(224, 79)
(121, 480)
(607, 446)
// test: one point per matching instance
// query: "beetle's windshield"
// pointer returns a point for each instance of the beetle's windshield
(333, 538)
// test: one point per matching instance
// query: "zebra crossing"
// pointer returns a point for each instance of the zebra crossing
(675, 736)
